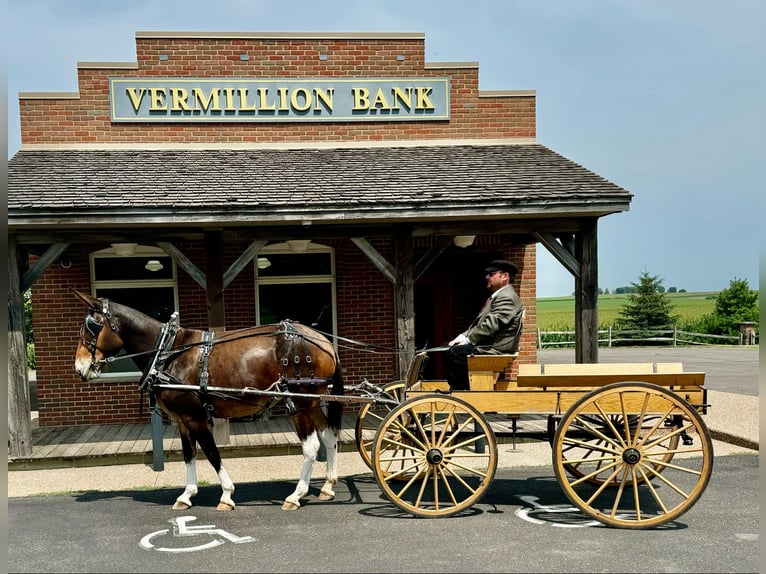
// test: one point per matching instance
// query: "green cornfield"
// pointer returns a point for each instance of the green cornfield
(557, 313)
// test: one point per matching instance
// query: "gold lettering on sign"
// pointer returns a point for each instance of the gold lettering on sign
(303, 93)
(158, 97)
(361, 99)
(229, 93)
(205, 102)
(423, 102)
(283, 107)
(325, 96)
(135, 98)
(263, 103)
(380, 100)
(243, 101)
(180, 96)
(397, 98)
(404, 98)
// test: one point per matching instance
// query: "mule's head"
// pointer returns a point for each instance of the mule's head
(99, 338)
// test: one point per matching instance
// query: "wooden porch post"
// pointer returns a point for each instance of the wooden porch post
(19, 423)
(404, 298)
(586, 294)
(215, 310)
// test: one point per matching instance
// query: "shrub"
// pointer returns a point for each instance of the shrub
(31, 356)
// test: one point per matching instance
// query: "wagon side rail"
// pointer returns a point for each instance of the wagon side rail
(593, 375)
(553, 388)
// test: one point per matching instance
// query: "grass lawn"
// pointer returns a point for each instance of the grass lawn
(557, 313)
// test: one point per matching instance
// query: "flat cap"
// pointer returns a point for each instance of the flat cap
(502, 265)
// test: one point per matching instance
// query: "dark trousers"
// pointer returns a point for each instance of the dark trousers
(457, 366)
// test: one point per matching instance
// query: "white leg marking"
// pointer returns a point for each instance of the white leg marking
(226, 502)
(330, 439)
(184, 501)
(310, 448)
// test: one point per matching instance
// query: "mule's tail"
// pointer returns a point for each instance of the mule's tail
(335, 408)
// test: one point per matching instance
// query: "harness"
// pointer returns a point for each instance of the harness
(204, 354)
(294, 350)
(94, 327)
(294, 343)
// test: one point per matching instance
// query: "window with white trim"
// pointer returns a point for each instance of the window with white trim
(297, 284)
(144, 278)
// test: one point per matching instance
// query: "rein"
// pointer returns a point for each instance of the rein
(94, 328)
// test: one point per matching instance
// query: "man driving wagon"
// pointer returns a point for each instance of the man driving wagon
(495, 331)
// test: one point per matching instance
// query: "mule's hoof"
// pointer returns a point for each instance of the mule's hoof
(224, 506)
(290, 505)
(181, 505)
(324, 496)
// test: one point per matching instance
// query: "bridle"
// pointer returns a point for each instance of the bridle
(93, 327)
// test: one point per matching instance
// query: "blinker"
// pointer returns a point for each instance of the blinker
(92, 326)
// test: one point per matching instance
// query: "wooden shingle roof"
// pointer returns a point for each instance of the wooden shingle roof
(343, 184)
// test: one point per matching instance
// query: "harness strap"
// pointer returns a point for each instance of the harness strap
(299, 353)
(204, 354)
(160, 357)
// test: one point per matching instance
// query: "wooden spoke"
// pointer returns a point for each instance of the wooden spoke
(614, 462)
(446, 451)
(369, 419)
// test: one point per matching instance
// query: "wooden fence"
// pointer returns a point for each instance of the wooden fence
(610, 336)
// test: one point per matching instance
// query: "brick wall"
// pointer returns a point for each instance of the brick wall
(86, 120)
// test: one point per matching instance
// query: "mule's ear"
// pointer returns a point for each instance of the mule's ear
(85, 298)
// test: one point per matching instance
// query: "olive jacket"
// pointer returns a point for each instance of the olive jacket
(497, 329)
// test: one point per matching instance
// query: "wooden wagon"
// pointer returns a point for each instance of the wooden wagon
(629, 446)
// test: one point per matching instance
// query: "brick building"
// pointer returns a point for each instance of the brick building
(244, 178)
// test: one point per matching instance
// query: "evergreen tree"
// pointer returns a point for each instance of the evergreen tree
(648, 307)
(736, 304)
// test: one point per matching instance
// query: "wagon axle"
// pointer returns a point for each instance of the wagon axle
(631, 456)
(434, 456)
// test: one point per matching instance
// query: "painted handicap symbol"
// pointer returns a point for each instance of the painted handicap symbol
(560, 515)
(181, 529)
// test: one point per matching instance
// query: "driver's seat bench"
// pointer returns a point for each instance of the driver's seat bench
(484, 371)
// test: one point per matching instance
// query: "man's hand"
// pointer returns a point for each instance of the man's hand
(459, 340)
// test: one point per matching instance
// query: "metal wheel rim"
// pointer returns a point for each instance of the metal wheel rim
(369, 419)
(644, 497)
(437, 453)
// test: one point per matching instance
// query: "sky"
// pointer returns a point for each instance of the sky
(664, 98)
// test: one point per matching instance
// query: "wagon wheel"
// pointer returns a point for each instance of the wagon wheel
(630, 456)
(445, 449)
(369, 419)
(591, 444)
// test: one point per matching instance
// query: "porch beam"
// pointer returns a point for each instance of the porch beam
(19, 416)
(560, 252)
(50, 255)
(586, 295)
(431, 255)
(377, 259)
(183, 262)
(242, 261)
(404, 299)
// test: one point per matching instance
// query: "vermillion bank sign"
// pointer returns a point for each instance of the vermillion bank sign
(278, 99)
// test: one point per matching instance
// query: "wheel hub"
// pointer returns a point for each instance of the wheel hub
(631, 456)
(434, 456)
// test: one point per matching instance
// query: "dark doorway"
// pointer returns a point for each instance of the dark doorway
(447, 298)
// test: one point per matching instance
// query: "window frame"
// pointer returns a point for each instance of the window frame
(96, 284)
(284, 249)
